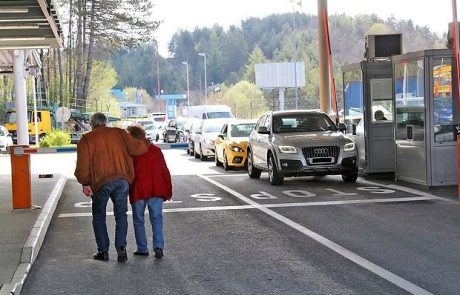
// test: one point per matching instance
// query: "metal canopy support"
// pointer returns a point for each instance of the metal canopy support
(20, 97)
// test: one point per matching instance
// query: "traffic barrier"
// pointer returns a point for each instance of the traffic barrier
(20, 178)
(165, 146)
(20, 172)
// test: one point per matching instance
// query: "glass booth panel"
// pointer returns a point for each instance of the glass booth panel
(353, 98)
(410, 103)
(381, 100)
(444, 129)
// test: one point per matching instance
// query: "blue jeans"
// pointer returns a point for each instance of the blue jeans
(155, 206)
(117, 191)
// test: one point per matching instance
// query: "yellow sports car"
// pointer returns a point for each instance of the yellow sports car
(231, 143)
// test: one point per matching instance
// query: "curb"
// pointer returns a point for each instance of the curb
(34, 240)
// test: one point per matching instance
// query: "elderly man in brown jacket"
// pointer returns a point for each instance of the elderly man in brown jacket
(105, 169)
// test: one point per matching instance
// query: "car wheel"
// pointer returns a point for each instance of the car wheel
(157, 138)
(253, 172)
(350, 177)
(216, 159)
(225, 163)
(202, 156)
(190, 150)
(273, 175)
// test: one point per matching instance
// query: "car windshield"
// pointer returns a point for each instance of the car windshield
(215, 127)
(302, 122)
(242, 130)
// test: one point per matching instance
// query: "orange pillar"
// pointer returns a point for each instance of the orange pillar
(20, 179)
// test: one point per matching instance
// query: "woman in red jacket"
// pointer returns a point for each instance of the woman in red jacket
(150, 188)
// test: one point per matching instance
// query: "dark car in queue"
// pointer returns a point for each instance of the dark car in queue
(300, 143)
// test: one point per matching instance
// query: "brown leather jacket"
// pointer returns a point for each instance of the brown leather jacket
(104, 154)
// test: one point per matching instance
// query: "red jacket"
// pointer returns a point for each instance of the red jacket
(152, 177)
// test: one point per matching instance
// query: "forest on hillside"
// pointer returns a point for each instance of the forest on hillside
(231, 53)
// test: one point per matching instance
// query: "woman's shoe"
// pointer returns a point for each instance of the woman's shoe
(158, 253)
(102, 256)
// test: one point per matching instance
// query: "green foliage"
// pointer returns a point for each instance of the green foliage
(245, 99)
(55, 138)
(103, 78)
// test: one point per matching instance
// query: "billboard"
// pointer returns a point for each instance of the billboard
(280, 75)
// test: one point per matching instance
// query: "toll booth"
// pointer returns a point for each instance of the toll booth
(368, 114)
(425, 95)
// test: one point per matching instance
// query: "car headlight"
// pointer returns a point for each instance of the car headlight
(236, 149)
(287, 149)
(349, 146)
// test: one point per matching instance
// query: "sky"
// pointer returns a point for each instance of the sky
(188, 14)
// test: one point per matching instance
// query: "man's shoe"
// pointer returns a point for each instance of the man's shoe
(122, 255)
(102, 256)
(158, 253)
(141, 253)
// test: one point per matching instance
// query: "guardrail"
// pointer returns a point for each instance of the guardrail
(19, 150)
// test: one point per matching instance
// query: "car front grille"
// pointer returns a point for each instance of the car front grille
(320, 155)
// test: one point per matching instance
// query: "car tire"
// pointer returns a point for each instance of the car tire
(216, 159)
(350, 177)
(202, 157)
(157, 138)
(225, 163)
(253, 172)
(273, 175)
(190, 150)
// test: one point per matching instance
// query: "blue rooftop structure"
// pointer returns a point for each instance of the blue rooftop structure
(171, 103)
(118, 94)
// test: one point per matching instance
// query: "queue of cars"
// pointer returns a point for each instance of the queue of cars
(282, 143)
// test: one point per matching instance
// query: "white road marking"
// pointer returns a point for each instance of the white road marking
(281, 205)
(385, 274)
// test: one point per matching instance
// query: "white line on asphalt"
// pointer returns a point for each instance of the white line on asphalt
(387, 275)
(282, 205)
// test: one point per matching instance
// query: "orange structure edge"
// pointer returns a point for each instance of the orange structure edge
(20, 179)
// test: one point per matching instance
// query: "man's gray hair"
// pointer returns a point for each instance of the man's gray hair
(98, 119)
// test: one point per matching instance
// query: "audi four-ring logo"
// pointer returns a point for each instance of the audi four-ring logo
(320, 151)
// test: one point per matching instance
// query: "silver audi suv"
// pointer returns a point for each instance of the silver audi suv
(298, 143)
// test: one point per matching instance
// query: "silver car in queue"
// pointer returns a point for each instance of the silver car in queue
(298, 143)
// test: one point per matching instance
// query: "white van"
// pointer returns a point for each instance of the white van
(209, 111)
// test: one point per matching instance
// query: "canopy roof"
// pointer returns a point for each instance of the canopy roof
(27, 24)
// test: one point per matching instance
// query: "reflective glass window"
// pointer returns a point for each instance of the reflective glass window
(442, 100)
(353, 97)
(381, 100)
(410, 102)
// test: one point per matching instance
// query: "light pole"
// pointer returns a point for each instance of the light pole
(203, 54)
(188, 85)
(295, 52)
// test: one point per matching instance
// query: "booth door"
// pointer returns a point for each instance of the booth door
(381, 146)
(411, 155)
(443, 133)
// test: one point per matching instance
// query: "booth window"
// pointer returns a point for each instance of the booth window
(381, 100)
(444, 129)
(410, 100)
(353, 98)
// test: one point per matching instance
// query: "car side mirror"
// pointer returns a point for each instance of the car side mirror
(221, 136)
(263, 130)
(198, 131)
(342, 127)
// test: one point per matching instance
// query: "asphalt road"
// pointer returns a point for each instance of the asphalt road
(228, 234)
